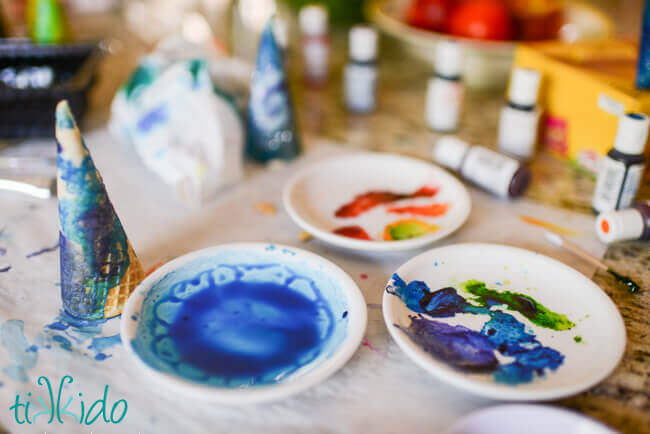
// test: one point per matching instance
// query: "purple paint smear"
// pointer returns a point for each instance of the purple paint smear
(5, 269)
(43, 250)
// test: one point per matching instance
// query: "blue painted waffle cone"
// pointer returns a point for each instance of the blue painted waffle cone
(99, 269)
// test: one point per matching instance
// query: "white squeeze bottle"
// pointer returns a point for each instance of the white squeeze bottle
(360, 73)
(314, 26)
(445, 89)
(620, 171)
(517, 134)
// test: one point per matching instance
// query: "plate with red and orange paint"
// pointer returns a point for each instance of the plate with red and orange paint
(380, 202)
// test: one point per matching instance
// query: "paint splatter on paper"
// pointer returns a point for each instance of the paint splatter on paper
(356, 232)
(43, 250)
(407, 229)
(367, 201)
(22, 354)
(475, 351)
(5, 269)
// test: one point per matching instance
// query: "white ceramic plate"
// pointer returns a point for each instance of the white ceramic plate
(529, 419)
(223, 324)
(571, 349)
(313, 196)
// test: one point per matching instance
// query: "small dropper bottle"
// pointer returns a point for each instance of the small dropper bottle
(445, 89)
(360, 73)
(620, 172)
(519, 119)
(313, 20)
(628, 224)
(496, 173)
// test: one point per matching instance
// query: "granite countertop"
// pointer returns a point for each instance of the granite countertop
(623, 399)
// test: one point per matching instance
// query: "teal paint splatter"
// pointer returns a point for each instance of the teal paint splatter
(102, 343)
(143, 75)
(19, 350)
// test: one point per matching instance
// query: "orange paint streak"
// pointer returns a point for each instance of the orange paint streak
(546, 225)
(433, 210)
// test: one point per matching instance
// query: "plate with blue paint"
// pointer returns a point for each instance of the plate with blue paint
(503, 322)
(244, 323)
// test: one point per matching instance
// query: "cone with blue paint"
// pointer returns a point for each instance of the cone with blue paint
(271, 121)
(99, 268)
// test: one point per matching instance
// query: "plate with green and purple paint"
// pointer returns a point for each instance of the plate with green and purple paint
(503, 322)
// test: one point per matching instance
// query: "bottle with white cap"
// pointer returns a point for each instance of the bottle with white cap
(620, 171)
(494, 172)
(628, 224)
(360, 73)
(445, 88)
(519, 119)
(313, 20)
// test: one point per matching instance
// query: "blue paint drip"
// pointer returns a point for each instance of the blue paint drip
(18, 348)
(466, 349)
(102, 343)
(43, 250)
(63, 342)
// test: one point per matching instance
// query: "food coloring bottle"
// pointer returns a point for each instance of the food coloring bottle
(620, 171)
(313, 20)
(628, 224)
(517, 134)
(445, 88)
(360, 73)
(494, 172)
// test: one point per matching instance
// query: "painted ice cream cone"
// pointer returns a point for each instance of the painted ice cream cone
(272, 129)
(99, 268)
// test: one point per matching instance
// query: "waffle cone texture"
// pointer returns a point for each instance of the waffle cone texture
(99, 268)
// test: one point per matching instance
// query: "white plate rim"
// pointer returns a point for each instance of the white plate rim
(509, 408)
(488, 390)
(464, 200)
(356, 329)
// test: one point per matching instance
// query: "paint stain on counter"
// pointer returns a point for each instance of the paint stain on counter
(43, 250)
(22, 354)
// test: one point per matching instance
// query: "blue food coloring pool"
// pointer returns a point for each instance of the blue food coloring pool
(241, 324)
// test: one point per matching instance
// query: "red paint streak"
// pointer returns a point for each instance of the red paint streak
(154, 268)
(365, 343)
(366, 201)
(433, 210)
(353, 232)
(364, 276)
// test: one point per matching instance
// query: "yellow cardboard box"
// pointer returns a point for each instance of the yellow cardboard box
(584, 88)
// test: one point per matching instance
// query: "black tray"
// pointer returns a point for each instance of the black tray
(29, 112)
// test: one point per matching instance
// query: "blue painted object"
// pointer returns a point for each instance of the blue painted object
(235, 320)
(271, 123)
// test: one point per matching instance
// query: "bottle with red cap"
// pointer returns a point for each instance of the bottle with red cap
(628, 224)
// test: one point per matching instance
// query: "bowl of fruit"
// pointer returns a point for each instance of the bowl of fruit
(489, 30)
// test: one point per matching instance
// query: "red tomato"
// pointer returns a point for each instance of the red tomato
(481, 19)
(429, 14)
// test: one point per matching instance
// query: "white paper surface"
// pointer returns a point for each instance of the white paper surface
(379, 390)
